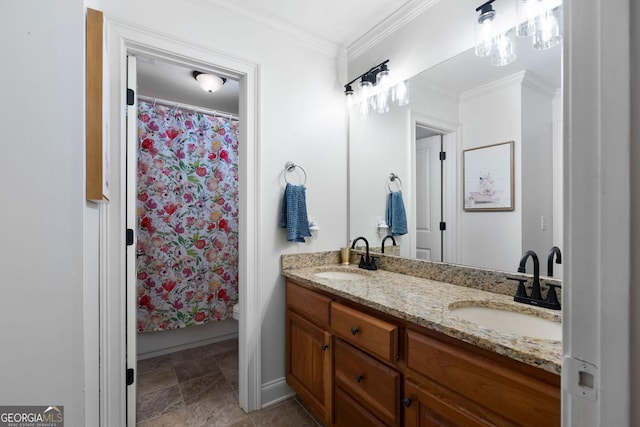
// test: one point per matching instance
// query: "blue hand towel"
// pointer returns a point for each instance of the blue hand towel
(396, 216)
(293, 216)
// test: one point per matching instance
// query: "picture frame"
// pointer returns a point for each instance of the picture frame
(488, 178)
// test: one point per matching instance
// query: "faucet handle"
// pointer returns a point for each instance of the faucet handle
(362, 263)
(552, 298)
(521, 292)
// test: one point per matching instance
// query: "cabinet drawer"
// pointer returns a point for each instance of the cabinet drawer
(367, 332)
(349, 413)
(310, 304)
(504, 390)
(372, 383)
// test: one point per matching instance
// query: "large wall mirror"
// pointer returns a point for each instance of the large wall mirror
(460, 104)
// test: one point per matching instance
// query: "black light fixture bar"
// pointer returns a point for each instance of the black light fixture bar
(370, 75)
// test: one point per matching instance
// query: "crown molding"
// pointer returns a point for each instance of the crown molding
(388, 26)
(240, 11)
(534, 82)
(516, 78)
(447, 94)
(522, 78)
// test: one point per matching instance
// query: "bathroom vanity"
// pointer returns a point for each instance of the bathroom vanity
(381, 348)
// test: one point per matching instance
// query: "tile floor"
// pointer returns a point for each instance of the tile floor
(199, 387)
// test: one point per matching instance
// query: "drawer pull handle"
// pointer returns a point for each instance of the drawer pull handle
(324, 347)
(359, 378)
(354, 330)
(407, 402)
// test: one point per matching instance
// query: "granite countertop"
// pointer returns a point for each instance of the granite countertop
(427, 303)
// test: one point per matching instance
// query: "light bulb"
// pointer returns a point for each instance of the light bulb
(547, 29)
(365, 96)
(401, 93)
(504, 49)
(527, 10)
(485, 30)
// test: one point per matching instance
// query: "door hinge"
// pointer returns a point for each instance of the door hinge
(130, 96)
(129, 237)
(443, 226)
(130, 376)
(443, 155)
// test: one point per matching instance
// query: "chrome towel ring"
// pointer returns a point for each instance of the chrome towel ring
(392, 178)
(290, 167)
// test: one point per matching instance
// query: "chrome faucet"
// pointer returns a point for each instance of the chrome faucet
(388, 236)
(536, 296)
(367, 262)
(554, 251)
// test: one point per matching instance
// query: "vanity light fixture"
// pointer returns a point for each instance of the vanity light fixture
(375, 91)
(492, 39)
(540, 19)
(209, 82)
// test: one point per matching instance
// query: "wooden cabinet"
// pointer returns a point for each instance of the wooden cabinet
(499, 390)
(308, 352)
(353, 367)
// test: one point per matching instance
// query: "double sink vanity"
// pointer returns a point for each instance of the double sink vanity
(416, 343)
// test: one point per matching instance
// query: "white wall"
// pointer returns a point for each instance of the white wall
(42, 257)
(489, 115)
(537, 168)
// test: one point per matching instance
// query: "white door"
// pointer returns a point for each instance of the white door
(132, 118)
(428, 199)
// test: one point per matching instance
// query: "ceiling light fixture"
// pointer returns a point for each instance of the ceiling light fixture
(209, 82)
(375, 90)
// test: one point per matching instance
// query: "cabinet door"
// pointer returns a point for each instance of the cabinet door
(308, 363)
(423, 408)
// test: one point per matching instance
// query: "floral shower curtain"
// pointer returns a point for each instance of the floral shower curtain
(187, 211)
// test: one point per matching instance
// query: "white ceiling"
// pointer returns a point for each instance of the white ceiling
(336, 21)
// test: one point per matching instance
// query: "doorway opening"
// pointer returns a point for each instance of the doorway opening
(187, 232)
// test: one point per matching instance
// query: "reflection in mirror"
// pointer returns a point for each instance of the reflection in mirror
(459, 104)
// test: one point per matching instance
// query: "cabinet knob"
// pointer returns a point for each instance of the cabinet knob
(407, 402)
(354, 330)
(359, 378)
(324, 347)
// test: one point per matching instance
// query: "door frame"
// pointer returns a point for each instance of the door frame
(124, 39)
(451, 144)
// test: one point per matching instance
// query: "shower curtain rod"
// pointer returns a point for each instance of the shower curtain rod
(168, 103)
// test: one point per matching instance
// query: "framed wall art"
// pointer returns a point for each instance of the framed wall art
(487, 179)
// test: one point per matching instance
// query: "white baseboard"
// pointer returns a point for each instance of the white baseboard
(275, 392)
(185, 346)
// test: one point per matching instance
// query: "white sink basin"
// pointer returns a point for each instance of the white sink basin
(512, 322)
(340, 275)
